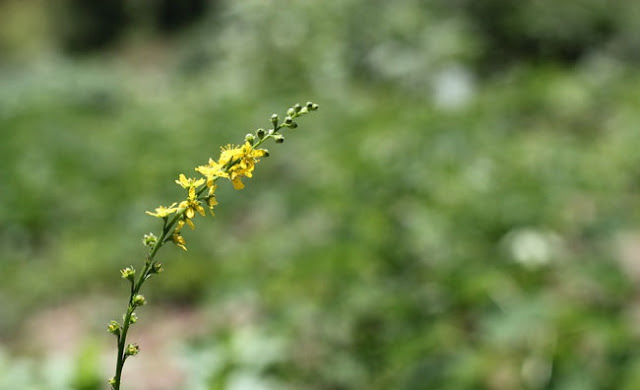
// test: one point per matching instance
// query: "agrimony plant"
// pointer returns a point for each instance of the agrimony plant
(235, 163)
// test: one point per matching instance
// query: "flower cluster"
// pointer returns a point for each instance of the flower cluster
(234, 163)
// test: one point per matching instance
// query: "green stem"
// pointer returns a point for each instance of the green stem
(135, 289)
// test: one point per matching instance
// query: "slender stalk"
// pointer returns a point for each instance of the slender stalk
(135, 289)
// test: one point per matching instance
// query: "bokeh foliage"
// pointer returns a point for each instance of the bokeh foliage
(462, 211)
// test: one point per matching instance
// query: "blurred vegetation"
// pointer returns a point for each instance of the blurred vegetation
(462, 212)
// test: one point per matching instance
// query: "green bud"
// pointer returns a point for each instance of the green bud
(249, 138)
(260, 133)
(278, 138)
(297, 107)
(112, 381)
(139, 300)
(288, 120)
(291, 111)
(314, 107)
(132, 350)
(114, 328)
(309, 105)
(149, 240)
(293, 125)
(274, 120)
(128, 273)
(134, 318)
(157, 268)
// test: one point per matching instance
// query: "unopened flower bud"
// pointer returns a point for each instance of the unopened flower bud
(291, 111)
(309, 105)
(314, 107)
(274, 120)
(132, 350)
(288, 120)
(249, 138)
(134, 318)
(112, 381)
(293, 125)
(278, 138)
(139, 300)
(260, 133)
(297, 107)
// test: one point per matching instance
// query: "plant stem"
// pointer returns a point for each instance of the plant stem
(135, 289)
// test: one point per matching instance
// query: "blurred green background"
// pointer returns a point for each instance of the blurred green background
(463, 212)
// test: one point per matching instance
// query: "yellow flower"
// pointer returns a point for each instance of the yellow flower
(163, 212)
(190, 206)
(234, 163)
(212, 190)
(179, 240)
(190, 182)
(229, 154)
(240, 161)
(211, 201)
(211, 198)
(237, 183)
(249, 157)
(211, 172)
(179, 227)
